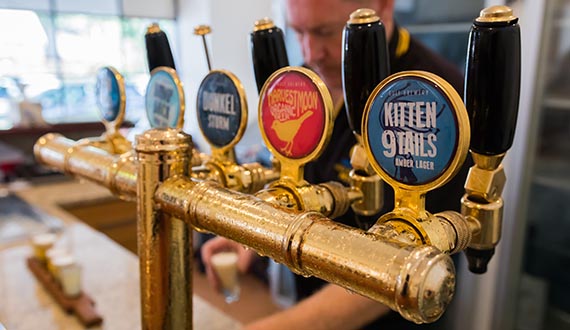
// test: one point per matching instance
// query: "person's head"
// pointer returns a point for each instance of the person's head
(319, 24)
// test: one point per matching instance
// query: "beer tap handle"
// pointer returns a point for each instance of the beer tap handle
(492, 87)
(492, 82)
(202, 30)
(365, 62)
(157, 48)
(268, 50)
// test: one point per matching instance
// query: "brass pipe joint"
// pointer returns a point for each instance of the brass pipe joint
(482, 206)
(486, 179)
(331, 199)
(359, 159)
(487, 219)
(248, 178)
(448, 231)
(371, 189)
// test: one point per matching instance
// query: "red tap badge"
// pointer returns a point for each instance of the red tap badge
(292, 115)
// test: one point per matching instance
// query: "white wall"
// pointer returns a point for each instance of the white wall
(489, 301)
(231, 22)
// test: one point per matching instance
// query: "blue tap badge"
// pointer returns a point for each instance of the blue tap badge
(221, 107)
(164, 99)
(109, 94)
(412, 129)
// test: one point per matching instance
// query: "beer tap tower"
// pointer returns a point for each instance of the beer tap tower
(403, 261)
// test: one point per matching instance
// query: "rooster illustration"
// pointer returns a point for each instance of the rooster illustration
(287, 130)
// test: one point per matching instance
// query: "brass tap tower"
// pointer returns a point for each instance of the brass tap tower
(403, 261)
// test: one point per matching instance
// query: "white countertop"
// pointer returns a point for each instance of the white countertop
(110, 273)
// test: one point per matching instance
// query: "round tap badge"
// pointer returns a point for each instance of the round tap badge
(164, 99)
(295, 114)
(416, 130)
(222, 109)
(110, 95)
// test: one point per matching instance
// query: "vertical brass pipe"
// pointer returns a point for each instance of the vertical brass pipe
(164, 242)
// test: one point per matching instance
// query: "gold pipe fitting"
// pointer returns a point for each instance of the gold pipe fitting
(359, 159)
(331, 199)
(372, 190)
(258, 175)
(417, 281)
(248, 178)
(485, 184)
(341, 196)
(459, 231)
(301, 197)
(448, 231)
(198, 158)
(488, 215)
(487, 162)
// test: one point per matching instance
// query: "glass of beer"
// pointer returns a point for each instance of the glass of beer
(225, 266)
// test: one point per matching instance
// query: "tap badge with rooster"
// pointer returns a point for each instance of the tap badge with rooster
(293, 114)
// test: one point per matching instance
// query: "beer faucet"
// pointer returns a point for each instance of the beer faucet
(365, 64)
(401, 262)
(222, 114)
(416, 133)
(268, 50)
(296, 121)
(492, 88)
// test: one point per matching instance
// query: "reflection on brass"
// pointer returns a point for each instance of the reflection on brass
(201, 30)
(359, 159)
(248, 178)
(458, 229)
(448, 231)
(416, 281)
(489, 215)
(114, 143)
(496, 14)
(485, 184)
(153, 28)
(331, 199)
(198, 158)
(363, 16)
(164, 242)
(341, 196)
(263, 24)
(487, 162)
(118, 173)
(372, 189)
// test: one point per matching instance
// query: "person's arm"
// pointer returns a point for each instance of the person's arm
(331, 308)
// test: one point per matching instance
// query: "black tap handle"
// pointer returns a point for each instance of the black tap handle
(365, 62)
(492, 80)
(157, 48)
(268, 50)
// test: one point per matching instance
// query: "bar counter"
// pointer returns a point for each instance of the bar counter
(109, 276)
